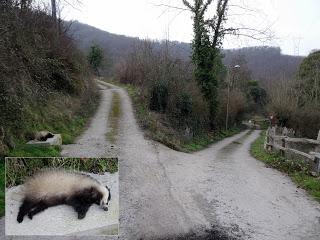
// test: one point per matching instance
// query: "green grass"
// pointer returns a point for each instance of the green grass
(199, 143)
(69, 130)
(24, 150)
(114, 117)
(18, 169)
(297, 170)
(62, 114)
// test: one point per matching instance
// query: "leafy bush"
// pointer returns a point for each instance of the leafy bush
(184, 104)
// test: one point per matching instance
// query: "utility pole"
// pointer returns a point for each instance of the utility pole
(228, 94)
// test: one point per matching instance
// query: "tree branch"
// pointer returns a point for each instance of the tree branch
(221, 11)
(169, 6)
(188, 5)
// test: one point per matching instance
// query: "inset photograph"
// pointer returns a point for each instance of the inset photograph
(62, 196)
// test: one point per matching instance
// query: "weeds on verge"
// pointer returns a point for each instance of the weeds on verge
(297, 170)
(153, 128)
(114, 117)
(17, 169)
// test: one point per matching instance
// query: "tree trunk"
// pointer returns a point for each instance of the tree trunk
(55, 21)
(54, 10)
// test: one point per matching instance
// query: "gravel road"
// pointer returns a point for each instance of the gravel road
(93, 143)
(167, 194)
(218, 193)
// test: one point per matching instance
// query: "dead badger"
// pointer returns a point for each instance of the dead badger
(49, 188)
(43, 135)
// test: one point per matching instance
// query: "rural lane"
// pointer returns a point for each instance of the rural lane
(218, 193)
(168, 194)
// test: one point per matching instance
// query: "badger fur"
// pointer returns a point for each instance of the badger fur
(49, 188)
(43, 135)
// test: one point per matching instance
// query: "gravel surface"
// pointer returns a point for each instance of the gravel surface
(218, 193)
(93, 143)
(221, 188)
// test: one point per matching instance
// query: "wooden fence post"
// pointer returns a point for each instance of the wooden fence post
(265, 145)
(283, 144)
(317, 164)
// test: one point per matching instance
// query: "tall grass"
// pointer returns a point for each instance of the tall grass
(18, 169)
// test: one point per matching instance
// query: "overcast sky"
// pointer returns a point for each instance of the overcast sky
(295, 24)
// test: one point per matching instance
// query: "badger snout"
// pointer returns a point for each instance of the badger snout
(105, 208)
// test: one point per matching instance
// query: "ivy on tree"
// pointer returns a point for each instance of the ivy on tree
(206, 56)
(95, 58)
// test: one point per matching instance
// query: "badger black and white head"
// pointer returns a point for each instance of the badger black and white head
(43, 135)
(50, 188)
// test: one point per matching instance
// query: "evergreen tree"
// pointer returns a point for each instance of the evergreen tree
(309, 78)
(95, 58)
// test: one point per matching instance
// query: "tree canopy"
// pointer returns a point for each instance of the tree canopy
(309, 77)
(95, 58)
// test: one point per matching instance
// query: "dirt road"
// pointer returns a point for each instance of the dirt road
(93, 142)
(165, 193)
(218, 193)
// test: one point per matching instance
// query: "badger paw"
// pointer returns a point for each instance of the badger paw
(81, 215)
(19, 219)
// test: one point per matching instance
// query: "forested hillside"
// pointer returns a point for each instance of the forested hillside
(265, 63)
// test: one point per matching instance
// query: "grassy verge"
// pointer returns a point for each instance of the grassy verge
(18, 169)
(68, 120)
(202, 142)
(114, 117)
(24, 150)
(153, 128)
(297, 170)
(63, 114)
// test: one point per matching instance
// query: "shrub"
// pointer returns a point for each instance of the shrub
(184, 104)
(237, 107)
(159, 98)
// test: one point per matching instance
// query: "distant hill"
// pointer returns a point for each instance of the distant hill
(267, 64)
(115, 45)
